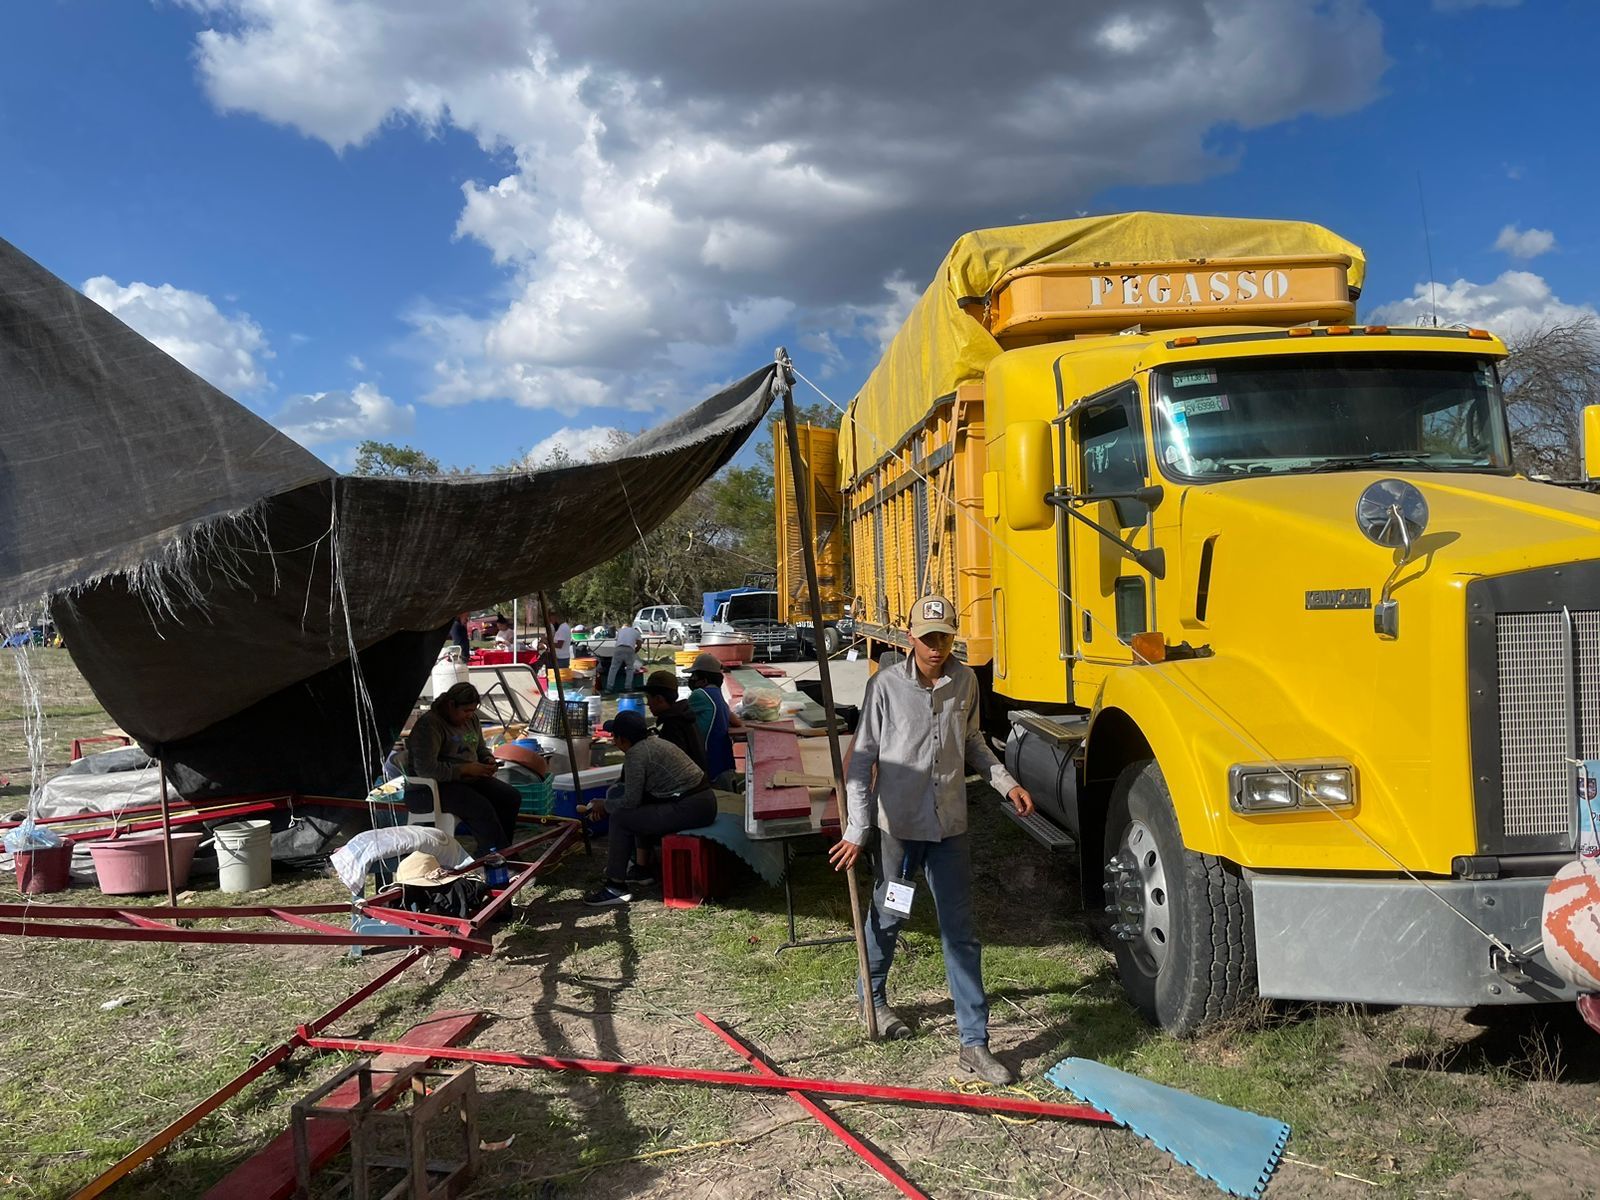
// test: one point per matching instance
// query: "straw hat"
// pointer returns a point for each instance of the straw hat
(423, 870)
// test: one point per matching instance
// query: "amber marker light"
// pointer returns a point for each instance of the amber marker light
(1302, 331)
(1151, 647)
(1337, 330)
(1187, 340)
(1376, 329)
(1483, 335)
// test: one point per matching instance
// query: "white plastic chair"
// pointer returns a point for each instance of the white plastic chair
(438, 818)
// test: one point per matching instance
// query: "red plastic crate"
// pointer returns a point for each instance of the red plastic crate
(693, 870)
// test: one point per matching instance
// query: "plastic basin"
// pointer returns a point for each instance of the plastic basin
(136, 865)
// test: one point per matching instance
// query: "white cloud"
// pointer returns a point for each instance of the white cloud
(675, 178)
(1513, 304)
(575, 445)
(1525, 243)
(220, 349)
(349, 416)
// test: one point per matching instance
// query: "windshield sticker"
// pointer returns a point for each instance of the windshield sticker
(1193, 378)
(1485, 375)
(1205, 404)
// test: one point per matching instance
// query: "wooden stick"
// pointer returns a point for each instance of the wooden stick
(166, 831)
(802, 508)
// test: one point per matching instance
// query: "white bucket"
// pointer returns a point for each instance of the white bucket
(244, 855)
(597, 708)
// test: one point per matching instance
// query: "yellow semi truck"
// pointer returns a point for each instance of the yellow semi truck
(1283, 646)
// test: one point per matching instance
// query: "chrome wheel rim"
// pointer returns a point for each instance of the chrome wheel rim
(1138, 877)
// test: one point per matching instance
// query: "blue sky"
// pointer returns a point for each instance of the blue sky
(485, 227)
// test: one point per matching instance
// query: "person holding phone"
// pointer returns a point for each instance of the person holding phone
(447, 745)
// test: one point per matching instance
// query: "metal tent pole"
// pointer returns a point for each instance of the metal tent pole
(561, 698)
(802, 506)
(166, 831)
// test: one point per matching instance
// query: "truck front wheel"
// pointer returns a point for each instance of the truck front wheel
(1182, 922)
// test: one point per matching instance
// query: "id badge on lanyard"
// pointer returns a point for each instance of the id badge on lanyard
(899, 892)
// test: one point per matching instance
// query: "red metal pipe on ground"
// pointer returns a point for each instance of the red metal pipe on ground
(842, 1089)
(160, 1141)
(240, 937)
(863, 1151)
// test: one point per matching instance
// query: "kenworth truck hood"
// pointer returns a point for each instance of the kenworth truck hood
(1286, 608)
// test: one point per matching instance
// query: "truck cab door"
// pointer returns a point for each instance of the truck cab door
(1106, 456)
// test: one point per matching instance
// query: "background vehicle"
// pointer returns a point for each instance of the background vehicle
(755, 615)
(677, 623)
(483, 623)
(1289, 655)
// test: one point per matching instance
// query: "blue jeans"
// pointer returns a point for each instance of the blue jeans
(621, 667)
(947, 870)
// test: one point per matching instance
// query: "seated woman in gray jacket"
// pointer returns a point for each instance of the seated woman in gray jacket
(663, 791)
(447, 745)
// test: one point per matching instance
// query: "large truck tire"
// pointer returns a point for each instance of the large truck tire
(1184, 943)
(832, 641)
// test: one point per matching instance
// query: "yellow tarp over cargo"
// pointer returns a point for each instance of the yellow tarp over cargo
(940, 346)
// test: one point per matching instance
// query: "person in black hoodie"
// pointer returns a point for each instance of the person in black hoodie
(675, 720)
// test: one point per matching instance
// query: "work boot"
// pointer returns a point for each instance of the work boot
(890, 1027)
(976, 1060)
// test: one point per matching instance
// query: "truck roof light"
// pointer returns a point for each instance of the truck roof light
(1375, 329)
(1337, 330)
(1302, 331)
(1483, 335)
(1149, 647)
(1186, 340)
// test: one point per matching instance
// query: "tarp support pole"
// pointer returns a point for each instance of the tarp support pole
(802, 508)
(166, 831)
(561, 699)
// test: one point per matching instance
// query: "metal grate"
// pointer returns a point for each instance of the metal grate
(1549, 677)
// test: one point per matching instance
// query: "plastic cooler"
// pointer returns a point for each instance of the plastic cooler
(591, 784)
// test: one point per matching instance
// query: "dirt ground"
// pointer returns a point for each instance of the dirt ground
(107, 1042)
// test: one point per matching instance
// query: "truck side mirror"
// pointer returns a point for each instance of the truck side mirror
(1029, 476)
(1591, 443)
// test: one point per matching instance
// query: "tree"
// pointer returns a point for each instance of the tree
(1552, 373)
(386, 458)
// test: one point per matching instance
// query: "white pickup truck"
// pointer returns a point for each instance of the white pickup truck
(675, 623)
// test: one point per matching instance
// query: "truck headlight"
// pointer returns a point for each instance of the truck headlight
(1290, 786)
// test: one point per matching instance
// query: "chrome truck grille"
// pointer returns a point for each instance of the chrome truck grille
(1534, 662)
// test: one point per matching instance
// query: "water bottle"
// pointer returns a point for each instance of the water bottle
(496, 875)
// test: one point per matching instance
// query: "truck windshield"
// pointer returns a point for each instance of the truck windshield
(754, 606)
(1324, 412)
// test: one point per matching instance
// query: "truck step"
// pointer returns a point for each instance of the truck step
(1041, 829)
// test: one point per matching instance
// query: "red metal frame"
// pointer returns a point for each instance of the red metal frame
(865, 1152)
(160, 1141)
(842, 1089)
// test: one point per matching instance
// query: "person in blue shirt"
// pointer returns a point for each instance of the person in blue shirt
(716, 721)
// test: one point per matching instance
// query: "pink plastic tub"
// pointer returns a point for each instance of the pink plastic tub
(130, 866)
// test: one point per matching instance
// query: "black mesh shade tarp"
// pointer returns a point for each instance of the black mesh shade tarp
(212, 578)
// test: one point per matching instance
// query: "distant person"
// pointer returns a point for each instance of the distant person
(715, 719)
(563, 644)
(504, 636)
(622, 658)
(663, 791)
(461, 636)
(906, 782)
(675, 720)
(447, 745)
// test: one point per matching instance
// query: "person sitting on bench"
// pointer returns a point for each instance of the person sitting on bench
(447, 745)
(675, 719)
(663, 792)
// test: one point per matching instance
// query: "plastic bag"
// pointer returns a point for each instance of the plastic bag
(29, 836)
(761, 702)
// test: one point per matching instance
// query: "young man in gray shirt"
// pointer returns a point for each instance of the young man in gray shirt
(907, 780)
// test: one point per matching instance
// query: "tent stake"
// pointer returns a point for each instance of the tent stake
(802, 508)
